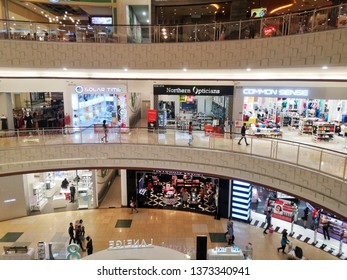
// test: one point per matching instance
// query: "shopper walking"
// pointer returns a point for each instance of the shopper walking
(89, 245)
(305, 217)
(268, 222)
(79, 238)
(71, 234)
(284, 241)
(326, 227)
(104, 126)
(190, 132)
(83, 230)
(243, 134)
(133, 206)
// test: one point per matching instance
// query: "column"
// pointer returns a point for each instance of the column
(124, 187)
(6, 108)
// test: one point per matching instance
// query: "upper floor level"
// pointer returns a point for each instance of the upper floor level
(309, 172)
(299, 51)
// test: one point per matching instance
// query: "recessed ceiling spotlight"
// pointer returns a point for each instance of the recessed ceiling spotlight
(325, 67)
(147, 20)
(185, 69)
(248, 69)
(144, 13)
(65, 69)
(125, 69)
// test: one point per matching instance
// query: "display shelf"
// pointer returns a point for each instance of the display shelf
(39, 196)
(306, 125)
(265, 132)
(323, 131)
(201, 120)
(294, 122)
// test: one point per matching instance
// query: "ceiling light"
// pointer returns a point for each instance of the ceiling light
(248, 69)
(64, 68)
(144, 13)
(185, 69)
(147, 20)
(125, 69)
(325, 67)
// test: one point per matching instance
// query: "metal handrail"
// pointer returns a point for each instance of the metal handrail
(289, 24)
(330, 162)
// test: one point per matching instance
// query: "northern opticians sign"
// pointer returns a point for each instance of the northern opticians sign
(280, 92)
(193, 90)
(89, 89)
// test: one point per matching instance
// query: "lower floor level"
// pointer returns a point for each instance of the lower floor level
(177, 230)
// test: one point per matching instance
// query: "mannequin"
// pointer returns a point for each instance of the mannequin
(4, 122)
(28, 120)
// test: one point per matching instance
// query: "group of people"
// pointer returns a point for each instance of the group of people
(77, 233)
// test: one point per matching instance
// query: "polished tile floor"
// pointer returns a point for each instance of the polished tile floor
(173, 229)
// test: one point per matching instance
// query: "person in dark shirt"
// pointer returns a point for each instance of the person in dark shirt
(243, 134)
(268, 222)
(284, 241)
(305, 217)
(72, 193)
(71, 234)
(326, 227)
(89, 245)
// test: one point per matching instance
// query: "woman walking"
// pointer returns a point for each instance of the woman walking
(284, 241)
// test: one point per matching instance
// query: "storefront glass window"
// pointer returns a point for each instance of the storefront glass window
(91, 109)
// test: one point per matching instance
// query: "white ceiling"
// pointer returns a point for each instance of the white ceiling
(336, 76)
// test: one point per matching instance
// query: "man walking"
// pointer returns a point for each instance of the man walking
(268, 222)
(243, 134)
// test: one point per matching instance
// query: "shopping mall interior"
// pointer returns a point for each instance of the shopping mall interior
(174, 105)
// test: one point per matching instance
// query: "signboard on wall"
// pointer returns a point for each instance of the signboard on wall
(283, 210)
(276, 92)
(193, 90)
(152, 118)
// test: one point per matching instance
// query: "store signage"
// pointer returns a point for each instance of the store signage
(178, 173)
(129, 244)
(221, 249)
(82, 89)
(282, 92)
(193, 90)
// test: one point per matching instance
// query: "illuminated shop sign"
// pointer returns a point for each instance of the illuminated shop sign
(282, 92)
(193, 90)
(88, 89)
(177, 173)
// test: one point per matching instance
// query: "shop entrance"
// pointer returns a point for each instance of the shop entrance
(177, 190)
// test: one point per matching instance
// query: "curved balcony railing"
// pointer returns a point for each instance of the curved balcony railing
(297, 23)
(316, 158)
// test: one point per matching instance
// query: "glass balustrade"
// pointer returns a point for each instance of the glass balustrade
(289, 24)
(309, 156)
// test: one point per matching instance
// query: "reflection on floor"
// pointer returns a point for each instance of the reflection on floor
(170, 228)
